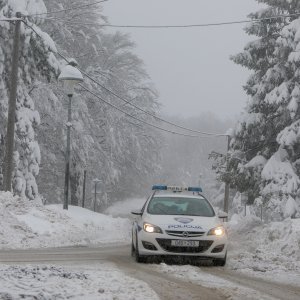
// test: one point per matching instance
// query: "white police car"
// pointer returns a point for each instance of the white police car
(178, 221)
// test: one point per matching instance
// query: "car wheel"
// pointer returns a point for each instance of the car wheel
(138, 258)
(220, 262)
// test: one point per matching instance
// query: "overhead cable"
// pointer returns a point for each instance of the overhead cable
(135, 118)
(148, 113)
(139, 108)
(128, 102)
(184, 25)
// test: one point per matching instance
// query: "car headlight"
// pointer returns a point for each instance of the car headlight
(218, 231)
(152, 228)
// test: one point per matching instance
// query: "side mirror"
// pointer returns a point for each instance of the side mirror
(223, 215)
(137, 212)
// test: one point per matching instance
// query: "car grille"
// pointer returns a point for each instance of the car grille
(185, 233)
(166, 245)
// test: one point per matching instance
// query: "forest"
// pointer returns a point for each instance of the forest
(125, 153)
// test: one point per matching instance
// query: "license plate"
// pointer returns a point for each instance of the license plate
(184, 243)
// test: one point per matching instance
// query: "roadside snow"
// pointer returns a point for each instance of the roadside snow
(102, 281)
(268, 250)
(29, 224)
(197, 276)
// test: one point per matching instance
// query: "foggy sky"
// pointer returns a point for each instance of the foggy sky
(190, 67)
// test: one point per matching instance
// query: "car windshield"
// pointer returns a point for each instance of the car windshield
(180, 206)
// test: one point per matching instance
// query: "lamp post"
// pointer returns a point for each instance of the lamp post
(69, 75)
(96, 181)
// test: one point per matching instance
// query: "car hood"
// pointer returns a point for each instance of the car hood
(188, 223)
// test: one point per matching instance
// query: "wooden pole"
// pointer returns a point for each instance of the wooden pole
(10, 135)
(83, 188)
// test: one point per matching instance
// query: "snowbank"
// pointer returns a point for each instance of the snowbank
(256, 246)
(30, 224)
(102, 281)
(263, 248)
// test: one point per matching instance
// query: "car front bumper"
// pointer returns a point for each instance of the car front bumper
(160, 244)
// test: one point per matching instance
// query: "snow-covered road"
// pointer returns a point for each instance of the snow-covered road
(93, 260)
(110, 273)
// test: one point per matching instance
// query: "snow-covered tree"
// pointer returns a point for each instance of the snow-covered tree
(35, 61)
(265, 148)
(119, 151)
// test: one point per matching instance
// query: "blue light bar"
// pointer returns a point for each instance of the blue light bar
(194, 189)
(176, 188)
(159, 188)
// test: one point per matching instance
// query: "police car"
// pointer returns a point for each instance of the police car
(177, 221)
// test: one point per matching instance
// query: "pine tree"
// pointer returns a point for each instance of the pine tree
(261, 162)
(35, 61)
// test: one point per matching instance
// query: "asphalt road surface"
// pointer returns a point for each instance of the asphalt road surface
(165, 285)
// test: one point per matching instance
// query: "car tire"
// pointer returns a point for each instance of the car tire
(220, 262)
(138, 258)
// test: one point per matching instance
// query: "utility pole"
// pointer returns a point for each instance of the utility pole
(226, 196)
(10, 134)
(96, 181)
(95, 199)
(83, 188)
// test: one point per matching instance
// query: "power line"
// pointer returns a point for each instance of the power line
(137, 119)
(148, 113)
(140, 109)
(184, 25)
(67, 9)
(117, 108)
(129, 102)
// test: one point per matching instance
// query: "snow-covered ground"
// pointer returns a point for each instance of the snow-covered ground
(28, 224)
(265, 249)
(196, 276)
(269, 250)
(102, 281)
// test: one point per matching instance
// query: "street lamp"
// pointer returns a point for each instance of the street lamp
(69, 75)
(96, 181)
